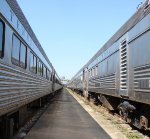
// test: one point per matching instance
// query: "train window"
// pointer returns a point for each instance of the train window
(23, 54)
(33, 63)
(44, 71)
(47, 74)
(1, 38)
(51, 76)
(15, 50)
(96, 70)
(19, 52)
(40, 69)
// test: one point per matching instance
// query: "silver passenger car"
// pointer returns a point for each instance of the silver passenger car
(121, 68)
(26, 73)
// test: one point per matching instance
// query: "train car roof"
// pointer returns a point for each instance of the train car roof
(17, 10)
(138, 16)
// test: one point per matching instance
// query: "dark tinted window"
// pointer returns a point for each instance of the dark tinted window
(40, 69)
(23, 51)
(15, 50)
(1, 38)
(48, 74)
(33, 63)
(52, 77)
(19, 52)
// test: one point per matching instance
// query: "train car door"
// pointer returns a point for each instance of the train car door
(123, 67)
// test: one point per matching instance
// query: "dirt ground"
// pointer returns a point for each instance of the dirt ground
(113, 125)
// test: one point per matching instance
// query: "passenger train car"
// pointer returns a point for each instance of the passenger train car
(118, 75)
(26, 74)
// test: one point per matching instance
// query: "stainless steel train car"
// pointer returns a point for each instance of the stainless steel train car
(26, 74)
(118, 75)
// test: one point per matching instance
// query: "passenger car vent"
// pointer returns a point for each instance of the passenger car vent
(123, 65)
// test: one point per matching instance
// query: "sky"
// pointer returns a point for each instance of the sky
(72, 31)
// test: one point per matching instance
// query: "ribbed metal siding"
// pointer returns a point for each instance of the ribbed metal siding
(18, 88)
(142, 79)
(106, 82)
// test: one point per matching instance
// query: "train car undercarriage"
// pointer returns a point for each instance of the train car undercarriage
(134, 113)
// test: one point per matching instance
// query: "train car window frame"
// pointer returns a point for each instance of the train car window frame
(52, 77)
(96, 70)
(2, 39)
(33, 61)
(24, 63)
(18, 52)
(15, 50)
(40, 68)
(35, 64)
(47, 74)
(44, 71)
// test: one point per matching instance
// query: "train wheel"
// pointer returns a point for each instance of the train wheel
(144, 122)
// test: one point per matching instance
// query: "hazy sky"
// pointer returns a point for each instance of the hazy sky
(72, 31)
